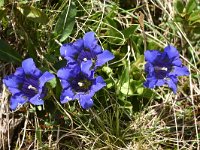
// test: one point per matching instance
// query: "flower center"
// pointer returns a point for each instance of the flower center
(84, 59)
(85, 55)
(161, 71)
(160, 68)
(30, 86)
(81, 83)
(84, 84)
(86, 49)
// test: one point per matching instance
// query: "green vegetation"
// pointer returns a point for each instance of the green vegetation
(125, 115)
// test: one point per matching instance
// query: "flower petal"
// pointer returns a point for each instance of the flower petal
(17, 99)
(151, 55)
(71, 70)
(86, 67)
(68, 51)
(29, 68)
(64, 73)
(104, 57)
(36, 100)
(89, 40)
(85, 101)
(66, 95)
(160, 82)
(98, 83)
(13, 82)
(150, 82)
(177, 62)
(172, 84)
(45, 77)
(97, 49)
(171, 52)
(79, 44)
(149, 69)
(180, 71)
(19, 72)
(65, 84)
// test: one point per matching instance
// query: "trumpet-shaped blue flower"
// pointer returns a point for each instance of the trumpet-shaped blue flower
(78, 82)
(27, 84)
(164, 68)
(85, 49)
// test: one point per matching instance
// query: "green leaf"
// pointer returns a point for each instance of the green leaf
(130, 30)
(197, 30)
(58, 89)
(107, 70)
(140, 90)
(125, 75)
(152, 44)
(113, 34)
(178, 18)
(132, 87)
(124, 78)
(33, 14)
(60, 64)
(1, 3)
(2, 13)
(126, 105)
(52, 83)
(137, 42)
(39, 135)
(194, 17)
(139, 61)
(111, 22)
(66, 21)
(125, 83)
(8, 54)
(179, 6)
(126, 89)
(109, 83)
(191, 6)
(147, 93)
(31, 48)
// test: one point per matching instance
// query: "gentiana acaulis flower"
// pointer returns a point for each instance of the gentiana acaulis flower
(164, 68)
(27, 84)
(78, 82)
(86, 48)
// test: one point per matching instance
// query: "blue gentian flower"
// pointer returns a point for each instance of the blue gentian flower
(85, 49)
(27, 84)
(78, 82)
(163, 68)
